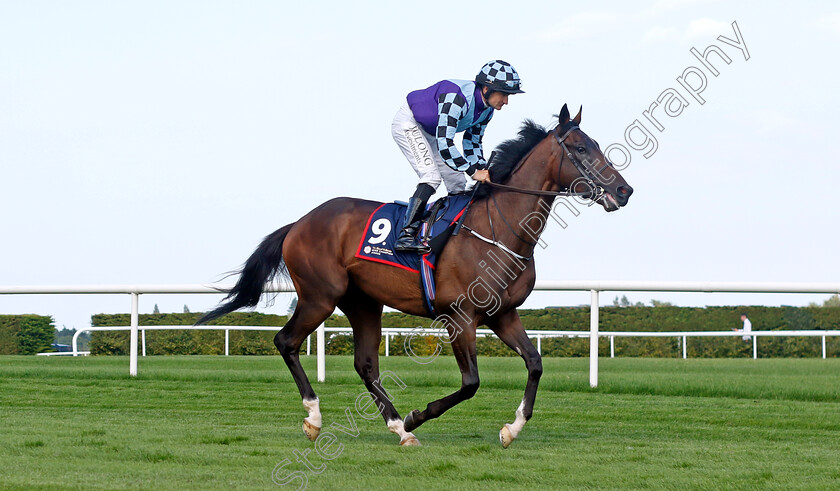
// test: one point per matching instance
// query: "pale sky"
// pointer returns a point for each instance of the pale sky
(158, 142)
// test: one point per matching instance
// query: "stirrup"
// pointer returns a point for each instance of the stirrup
(418, 248)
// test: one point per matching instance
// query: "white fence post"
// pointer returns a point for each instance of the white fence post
(685, 348)
(322, 355)
(593, 340)
(76, 342)
(612, 346)
(823, 347)
(135, 321)
(308, 345)
(227, 341)
(387, 344)
(539, 344)
(755, 347)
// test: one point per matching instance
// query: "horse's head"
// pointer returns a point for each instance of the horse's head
(583, 168)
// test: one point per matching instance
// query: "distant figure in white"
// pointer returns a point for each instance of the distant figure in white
(747, 327)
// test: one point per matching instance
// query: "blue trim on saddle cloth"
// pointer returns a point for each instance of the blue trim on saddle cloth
(381, 233)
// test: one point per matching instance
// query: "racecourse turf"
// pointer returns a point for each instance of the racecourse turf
(207, 422)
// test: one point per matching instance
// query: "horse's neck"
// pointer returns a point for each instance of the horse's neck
(525, 214)
(533, 172)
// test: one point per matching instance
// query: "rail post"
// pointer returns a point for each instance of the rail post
(135, 321)
(76, 342)
(593, 340)
(227, 341)
(322, 355)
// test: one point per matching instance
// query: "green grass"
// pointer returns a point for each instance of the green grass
(215, 422)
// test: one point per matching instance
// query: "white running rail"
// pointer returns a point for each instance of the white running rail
(594, 287)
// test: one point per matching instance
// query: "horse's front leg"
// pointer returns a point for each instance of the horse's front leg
(463, 347)
(509, 328)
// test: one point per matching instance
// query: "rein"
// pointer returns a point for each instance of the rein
(535, 192)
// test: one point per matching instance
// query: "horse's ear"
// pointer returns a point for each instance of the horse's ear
(564, 115)
(577, 118)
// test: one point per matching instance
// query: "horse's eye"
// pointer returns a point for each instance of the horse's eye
(581, 149)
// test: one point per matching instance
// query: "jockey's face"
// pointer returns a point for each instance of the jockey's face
(496, 99)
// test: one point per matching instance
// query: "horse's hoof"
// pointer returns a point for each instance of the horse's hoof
(311, 431)
(505, 436)
(410, 441)
(410, 421)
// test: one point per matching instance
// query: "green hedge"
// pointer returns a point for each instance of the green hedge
(187, 342)
(658, 319)
(663, 318)
(26, 334)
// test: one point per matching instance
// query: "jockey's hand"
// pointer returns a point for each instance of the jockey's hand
(482, 175)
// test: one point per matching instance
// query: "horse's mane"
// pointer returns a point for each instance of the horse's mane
(510, 152)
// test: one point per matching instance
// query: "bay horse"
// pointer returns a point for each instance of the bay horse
(501, 228)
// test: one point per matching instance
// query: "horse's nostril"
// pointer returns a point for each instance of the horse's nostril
(624, 191)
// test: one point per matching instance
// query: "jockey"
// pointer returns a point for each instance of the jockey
(425, 128)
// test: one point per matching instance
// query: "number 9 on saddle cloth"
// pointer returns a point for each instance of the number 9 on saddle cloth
(384, 225)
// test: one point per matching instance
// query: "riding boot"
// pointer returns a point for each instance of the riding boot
(407, 241)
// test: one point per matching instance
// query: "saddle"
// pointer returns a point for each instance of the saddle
(439, 222)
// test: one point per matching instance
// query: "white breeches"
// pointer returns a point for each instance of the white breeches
(421, 150)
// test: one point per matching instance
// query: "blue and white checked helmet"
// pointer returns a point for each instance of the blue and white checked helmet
(500, 76)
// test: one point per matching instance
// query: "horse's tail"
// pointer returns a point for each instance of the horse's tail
(265, 264)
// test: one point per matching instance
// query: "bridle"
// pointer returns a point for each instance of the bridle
(586, 175)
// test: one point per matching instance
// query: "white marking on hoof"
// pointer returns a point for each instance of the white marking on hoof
(312, 424)
(505, 436)
(410, 441)
(407, 438)
(311, 431)
(509, 432)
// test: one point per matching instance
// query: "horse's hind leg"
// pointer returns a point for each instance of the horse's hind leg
(307, 317)
(509, 329)
(463, 347)
(365, 316)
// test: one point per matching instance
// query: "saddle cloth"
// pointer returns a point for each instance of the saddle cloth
(383, 228)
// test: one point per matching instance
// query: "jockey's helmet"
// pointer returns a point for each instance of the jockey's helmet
(500, 76)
